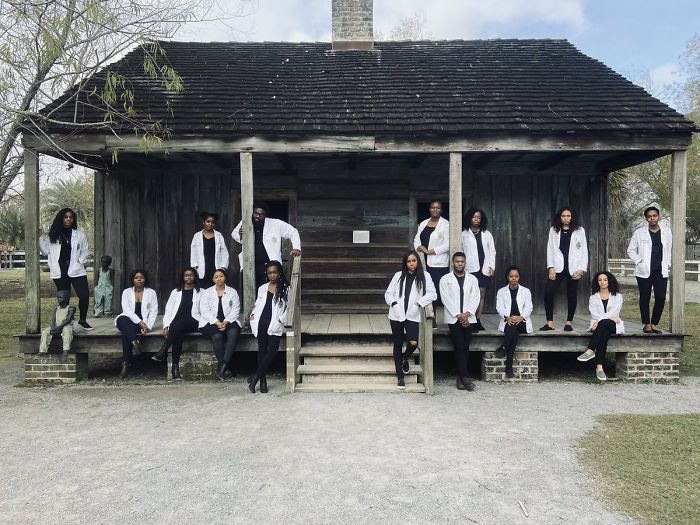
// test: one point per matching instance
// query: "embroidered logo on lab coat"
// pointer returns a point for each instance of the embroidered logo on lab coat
(230, 303)
(148, 306)
(578, 245)
(274, 239)
(440, 235)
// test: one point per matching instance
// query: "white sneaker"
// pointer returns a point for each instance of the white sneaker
(600, 375)
(585, 357)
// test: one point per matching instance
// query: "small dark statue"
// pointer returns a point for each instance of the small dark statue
(61, 324)
(104, 287)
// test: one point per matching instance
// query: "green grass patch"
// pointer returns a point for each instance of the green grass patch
(648, 466)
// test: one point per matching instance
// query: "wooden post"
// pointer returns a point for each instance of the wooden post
(248, 245)
(678, 221)
(32, 283)
(99, 215)
(455, 204)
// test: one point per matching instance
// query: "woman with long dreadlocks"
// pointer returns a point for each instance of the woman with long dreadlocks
(410, 290)
(267, 321)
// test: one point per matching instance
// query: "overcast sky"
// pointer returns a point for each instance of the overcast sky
(641, 39)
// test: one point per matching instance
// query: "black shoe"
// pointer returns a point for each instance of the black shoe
(500, 352)
(85, 325)
(656, 331)
(162, 354)
(125, 371)
(405, 366)
(468, 385)
(460, 384)
(221, 372)
(546, 328)
(252, 380)
(401, 384)
(647, 330)
(568, 328)
(263, 385)
(175, 370)
(509, 372)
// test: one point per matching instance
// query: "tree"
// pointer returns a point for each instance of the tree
(409, 28)
(76, 193)
(11, 224)
(49, 46)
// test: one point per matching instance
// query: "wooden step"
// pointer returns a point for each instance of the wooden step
(350, 308)
(355, 251)
(359, 388)
(346, 350)
(391, 235)
(384, 265)
(340, 296)
(348, 281)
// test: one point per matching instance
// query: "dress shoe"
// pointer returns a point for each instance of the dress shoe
(252, 380)
(221, 372)
(468, 385)
(175, 370)
(125, 370)
(263, 385)
(509, 371)
(162, 354)
(460, 384)
(568, 328)
(546, 328)
(500, 352)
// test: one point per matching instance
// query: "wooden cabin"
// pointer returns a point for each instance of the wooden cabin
(359, 136)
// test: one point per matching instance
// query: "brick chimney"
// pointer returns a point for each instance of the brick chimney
(353, 25)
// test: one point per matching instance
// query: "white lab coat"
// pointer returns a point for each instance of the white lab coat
(639, 251)
(439, 241)
(273, 232)
(79, 254)
(197, 252)
(173, 304)
(417, 299)
(578, 251)
(279, 313)
(209, 306)
(149, 306)
(524, 300)
(472, 253)
(449, 293)
(595, 306)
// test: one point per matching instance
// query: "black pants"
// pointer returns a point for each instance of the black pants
(551, 288)
(267, 349)
(82, 290)
(130, 331)
(599, 339)
(460, 340)
(510, 341)
(260, 275)
(398, 329)
(659, 284)
(436, 274)
(176, 334)
(223, 343)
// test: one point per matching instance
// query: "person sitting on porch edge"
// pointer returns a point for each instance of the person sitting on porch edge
(514, 306)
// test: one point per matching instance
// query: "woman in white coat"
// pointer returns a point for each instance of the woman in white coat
(409, 290)
(208, 250)
(139, 311)
(181, 317)
(433, 239)
(605, 305)
(219, 312)
(267, 321)
(67, 249)
(514, 306)
(478, 246)
(567, 260)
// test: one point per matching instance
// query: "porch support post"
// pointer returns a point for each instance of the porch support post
(31, 241)
(455, 203)
(248, 246)
(678, 222)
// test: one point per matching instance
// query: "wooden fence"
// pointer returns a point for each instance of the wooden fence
(625, 268)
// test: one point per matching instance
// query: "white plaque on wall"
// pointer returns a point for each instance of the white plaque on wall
(360, 236)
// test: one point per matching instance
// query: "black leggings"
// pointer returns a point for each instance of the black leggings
(510, 341)
(82, 290)
(659, 284)
(180, 326)
(551, 288)
(267, 349)
(599, 339)
(461, 338)
(398, 328)
(223, 343)
(130, 331)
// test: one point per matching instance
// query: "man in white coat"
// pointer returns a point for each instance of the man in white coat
(268, 240)
(460, 296)
(650, 249)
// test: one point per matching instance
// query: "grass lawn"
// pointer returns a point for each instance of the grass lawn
(648, 466)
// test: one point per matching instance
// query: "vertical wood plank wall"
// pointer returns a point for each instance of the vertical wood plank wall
(151, 215)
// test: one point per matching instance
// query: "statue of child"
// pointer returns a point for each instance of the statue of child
(104, 287)
(61, 324)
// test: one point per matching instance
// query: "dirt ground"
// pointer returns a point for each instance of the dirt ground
(213, 453)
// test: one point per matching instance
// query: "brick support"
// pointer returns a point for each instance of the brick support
(196, 366)
(525, 367)
(651, 367)
(55, 369)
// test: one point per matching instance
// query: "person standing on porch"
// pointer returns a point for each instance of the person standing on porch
(409, 290)
(267, 321)
(460, 296)
(514, 307)
(268, 240)
(650, 249)
(478, 245)
(433, 240)
(567, 260)
(605, 305)
(68, 253)
(208, 251)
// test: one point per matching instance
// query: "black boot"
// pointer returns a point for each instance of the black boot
(221, 371)
(263, 385)
(125, 370)
(176, 372)
(162, 354)
(252, 381)
(509, 367)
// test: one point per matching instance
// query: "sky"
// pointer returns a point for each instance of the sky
(640, 39)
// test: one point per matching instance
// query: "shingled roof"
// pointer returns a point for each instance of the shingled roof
(438, 87)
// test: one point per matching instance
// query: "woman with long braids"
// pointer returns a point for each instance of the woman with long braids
(67, 249)
(267, 321)
(409, 290)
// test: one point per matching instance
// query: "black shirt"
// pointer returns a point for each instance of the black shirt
(564, 245)
(64, 238)
(605, 304)
(425, 235)
(137, 310)
(185, 308)
(657, 251)
(460, 281)
(479, 249)
(266, 314)
(514, 310)
(220, 310)
(410, 278)
(261, 256)
(209, 257)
